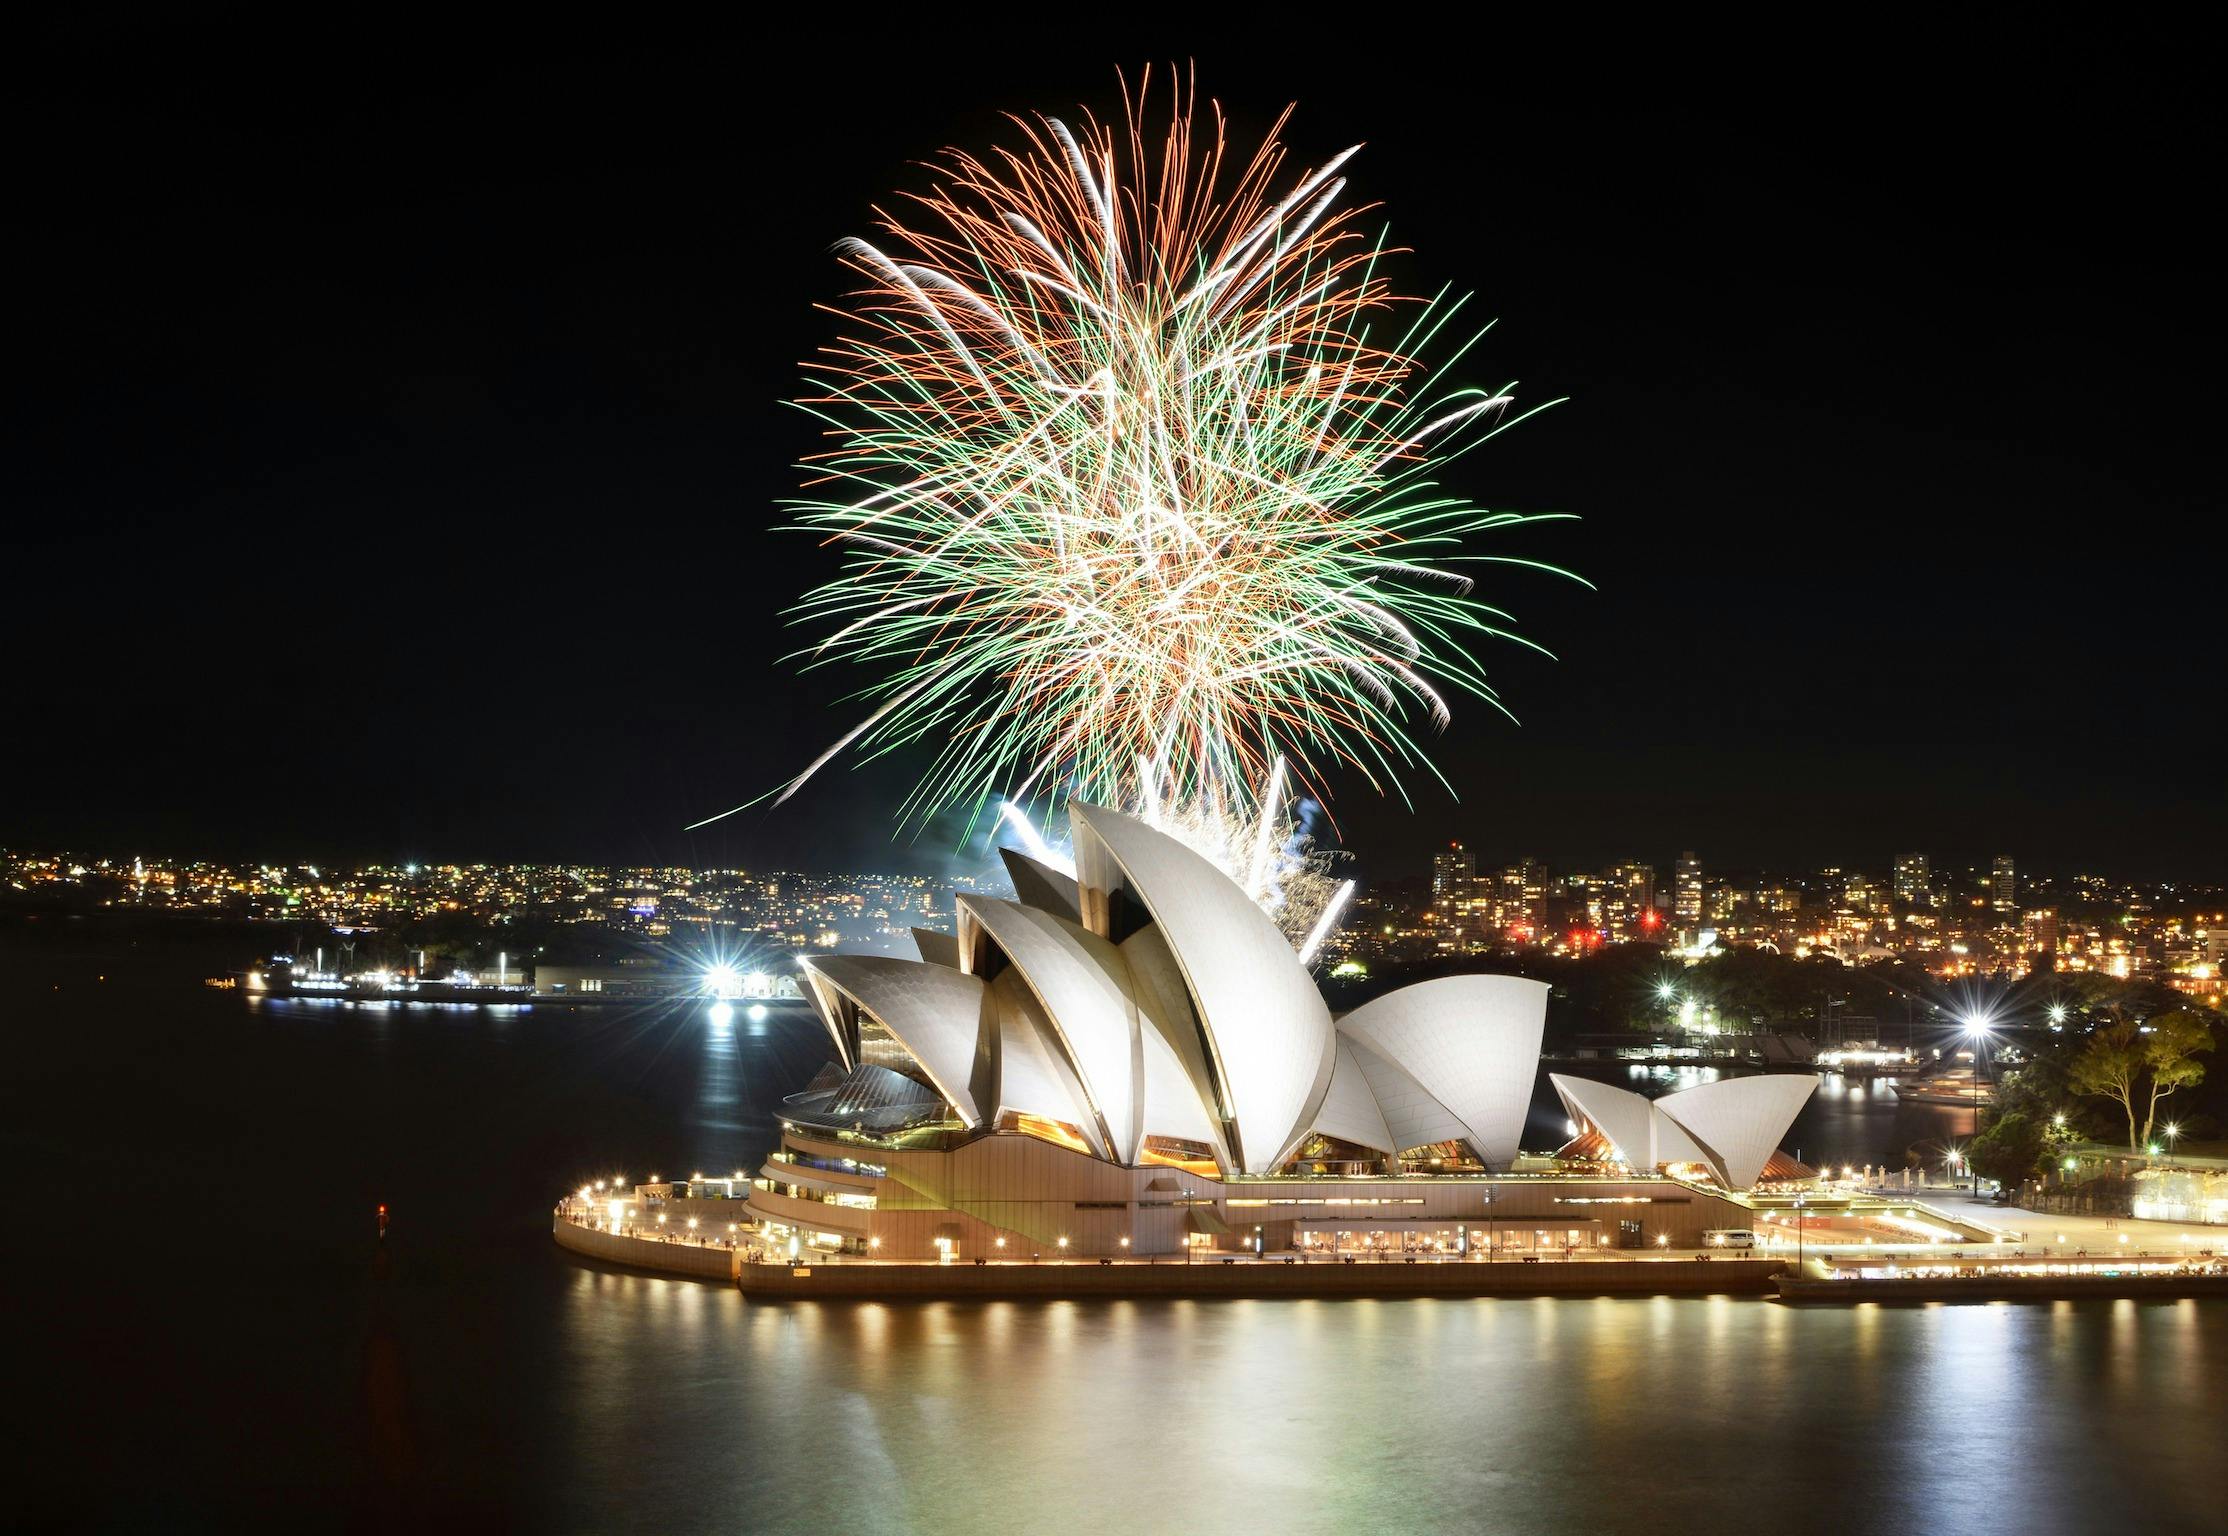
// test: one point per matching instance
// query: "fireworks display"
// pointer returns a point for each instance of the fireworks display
(1135, 466)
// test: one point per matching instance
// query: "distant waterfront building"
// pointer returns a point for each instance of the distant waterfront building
(1639, 883)
(1864, 894)
(2003, 885)
(1912, 884)
(1629, 903)
(1452, 869)
(1686, 895)
(1520, 899)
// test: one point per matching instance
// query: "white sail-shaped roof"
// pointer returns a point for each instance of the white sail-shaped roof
(1083, 984)
(1732, 1126)
(934, 1012)
(1172, 1106)
(1034, 1075)
(1413, 1118)
(1474, 1040)
(1350, 1110)
(1165, 1016)
(835, 1012)
(936, 948)
(1626, 1119)
(1739, 1121)
(1674, 1145)
(1268, 1035)
(1039, 885)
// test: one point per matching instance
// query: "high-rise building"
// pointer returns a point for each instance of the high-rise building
(1686, 894)
(1520, 900)
(1451, 870)
(1862, 893)
(1629, 908)
(1911, 881)
(1532, 881)
(1639, 883)
(2003, 885)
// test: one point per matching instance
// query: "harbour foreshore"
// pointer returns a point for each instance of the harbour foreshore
(867, 1280)
(1222, 1276)
(1981, 1285)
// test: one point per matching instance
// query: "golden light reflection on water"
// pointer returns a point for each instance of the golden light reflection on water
(1606, 1415)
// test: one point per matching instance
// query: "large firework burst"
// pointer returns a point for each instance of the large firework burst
(1137, 499)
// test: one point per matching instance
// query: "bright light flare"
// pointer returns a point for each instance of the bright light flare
(1323, 924)
(1033, 841)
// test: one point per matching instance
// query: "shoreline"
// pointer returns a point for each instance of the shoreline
(1136, 1279)
(1810, 1290)
(1766, 1278)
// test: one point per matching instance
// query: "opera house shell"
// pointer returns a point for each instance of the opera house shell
(1132, 1059)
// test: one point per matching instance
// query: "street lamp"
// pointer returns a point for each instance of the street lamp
(1977, 1026)
(1798, 1235)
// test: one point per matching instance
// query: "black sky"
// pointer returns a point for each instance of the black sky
(393, 436)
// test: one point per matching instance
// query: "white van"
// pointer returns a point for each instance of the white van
(1729, 1237)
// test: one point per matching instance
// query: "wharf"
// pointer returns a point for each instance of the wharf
(873, 1280)
(1990, 1286)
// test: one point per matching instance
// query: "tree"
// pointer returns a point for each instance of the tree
(2130, 1063)
(2111, 1067)
(2170, 1050)
(2010, 1149)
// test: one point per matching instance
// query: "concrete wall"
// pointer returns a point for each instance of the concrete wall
(2004, 1288)
(1031, 1194)
(646, 1253)
(893, 1282)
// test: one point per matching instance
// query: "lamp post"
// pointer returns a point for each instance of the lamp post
(1977, 1027)
(1798, 1235)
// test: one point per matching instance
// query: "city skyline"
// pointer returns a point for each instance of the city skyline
(1978, 870)
(1955, 926)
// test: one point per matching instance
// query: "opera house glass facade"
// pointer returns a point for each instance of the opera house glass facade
(1131, 1061)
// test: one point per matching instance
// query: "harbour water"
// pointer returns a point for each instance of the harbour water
(210, 1334)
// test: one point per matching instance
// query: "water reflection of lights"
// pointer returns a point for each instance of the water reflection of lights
(722, 1015)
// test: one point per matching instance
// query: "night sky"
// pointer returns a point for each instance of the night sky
(394, 433)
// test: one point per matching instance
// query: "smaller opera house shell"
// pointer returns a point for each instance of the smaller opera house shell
(1132, 1061)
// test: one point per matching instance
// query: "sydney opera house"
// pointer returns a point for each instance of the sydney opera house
(1132, 1061)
